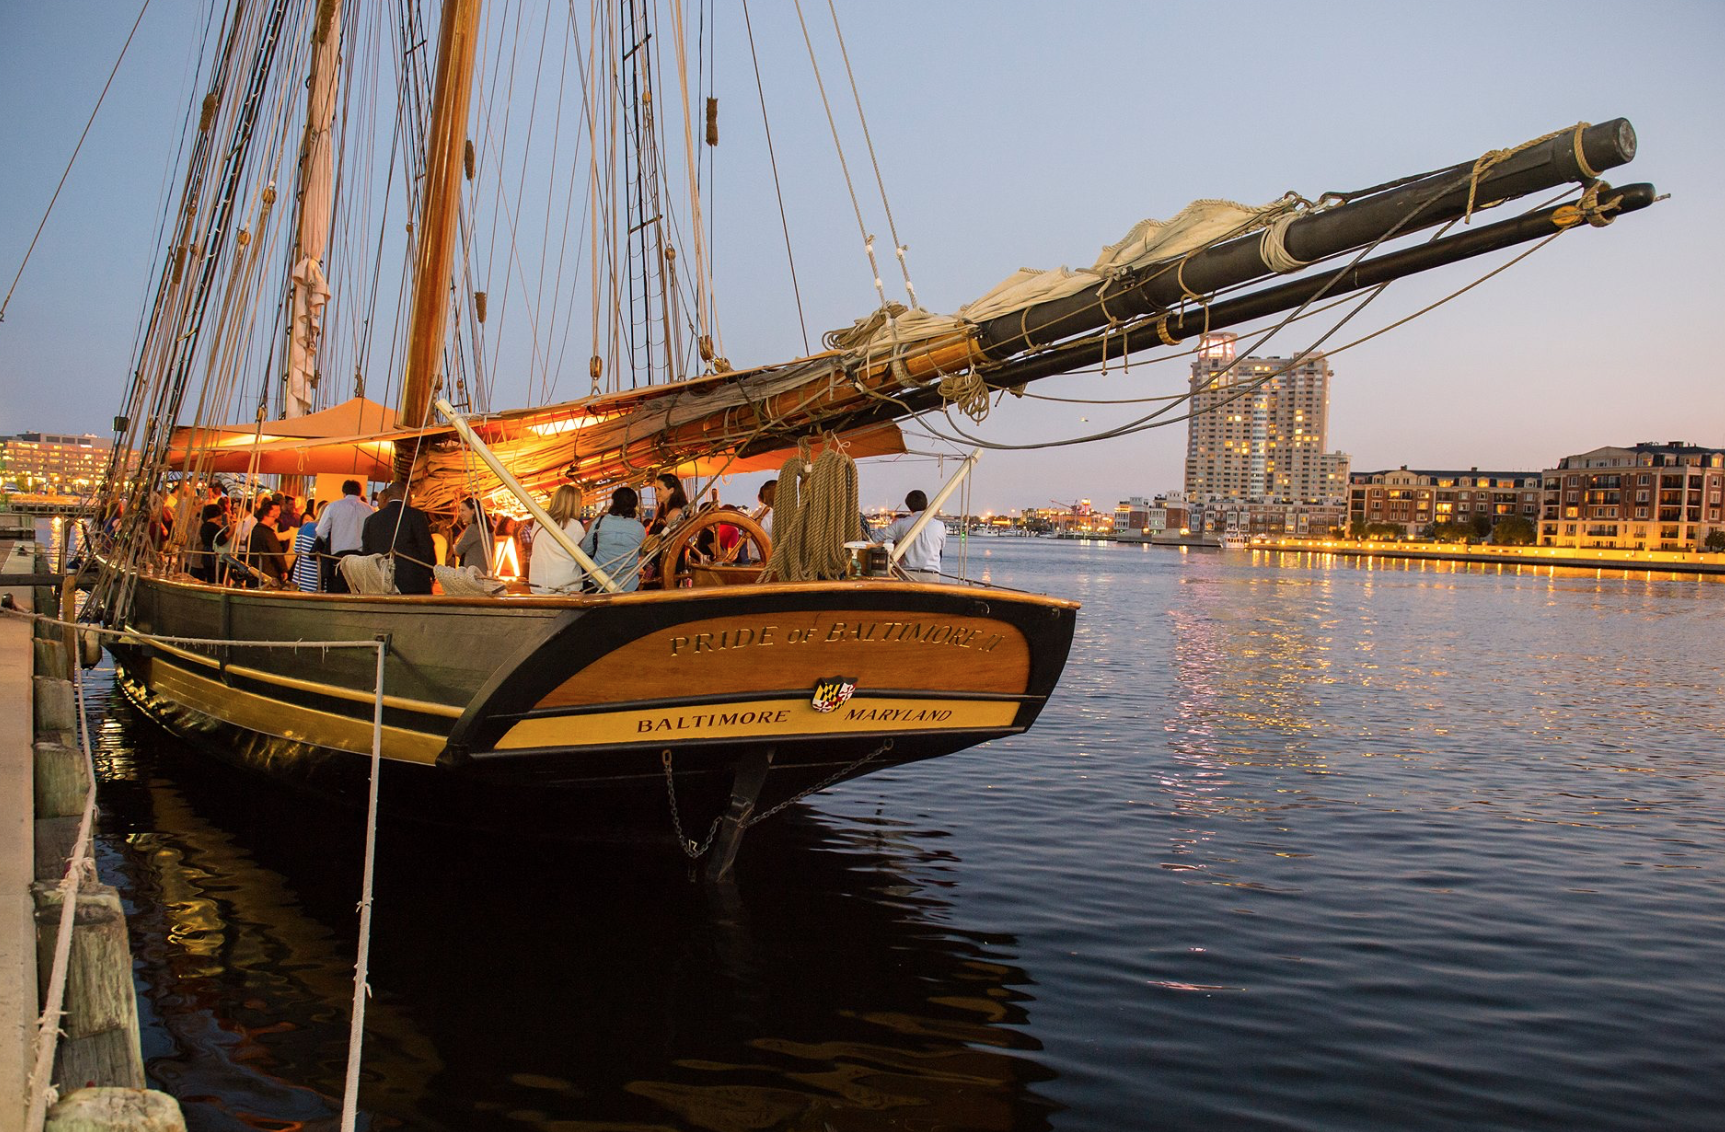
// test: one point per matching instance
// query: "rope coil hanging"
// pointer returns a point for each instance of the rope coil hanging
(816, 511)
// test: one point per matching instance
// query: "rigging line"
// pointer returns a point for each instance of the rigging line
(1133, 427)
(520, 195)
(778, 188)
(899, 248)
(862, 228)
(4, 303)
(692, 165)
(1307, 311)
(707, 80)
(500, 147)
(520, 271)
(554, 365)
(556, 145)
(195, 54)
(1154, 419)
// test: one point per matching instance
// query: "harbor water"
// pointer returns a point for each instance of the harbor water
(1300, 843)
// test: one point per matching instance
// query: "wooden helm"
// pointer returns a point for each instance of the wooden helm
(684, 562)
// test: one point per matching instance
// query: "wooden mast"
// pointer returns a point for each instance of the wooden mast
(444, 145)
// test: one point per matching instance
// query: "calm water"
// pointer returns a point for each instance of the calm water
(1297, 845)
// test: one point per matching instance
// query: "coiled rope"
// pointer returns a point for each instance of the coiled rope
(815, 513)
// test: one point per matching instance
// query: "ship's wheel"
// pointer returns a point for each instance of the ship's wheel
(689, 559)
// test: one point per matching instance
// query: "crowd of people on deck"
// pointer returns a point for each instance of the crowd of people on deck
(271, 541)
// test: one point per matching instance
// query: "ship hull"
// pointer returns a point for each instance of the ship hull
(564, 714)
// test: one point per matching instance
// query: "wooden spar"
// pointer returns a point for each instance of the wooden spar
(1192, 321)
(824, 396)
(1427, 201)
(849, 395)
(445, 143)
(546, 523)
(934, 505)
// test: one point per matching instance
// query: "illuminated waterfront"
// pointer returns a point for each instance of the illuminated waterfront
(1300, 843)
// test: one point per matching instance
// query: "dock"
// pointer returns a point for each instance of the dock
(1485, 554)
(44, 789)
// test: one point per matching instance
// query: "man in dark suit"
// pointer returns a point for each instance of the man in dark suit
(401, 529)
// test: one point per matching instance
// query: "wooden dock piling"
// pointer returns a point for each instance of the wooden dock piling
(44, 776)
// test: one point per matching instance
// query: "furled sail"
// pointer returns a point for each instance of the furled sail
(317, 179)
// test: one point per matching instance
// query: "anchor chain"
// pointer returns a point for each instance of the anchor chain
(693, 849)
(886, 745)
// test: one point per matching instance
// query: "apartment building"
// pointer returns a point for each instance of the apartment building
(1259, 429)
(1649, 496)
(1413, 498)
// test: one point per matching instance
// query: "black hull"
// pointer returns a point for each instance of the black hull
(556, 716)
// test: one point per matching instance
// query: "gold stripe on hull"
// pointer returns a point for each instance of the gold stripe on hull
(759, 719)
(424, 707)
(290, 721)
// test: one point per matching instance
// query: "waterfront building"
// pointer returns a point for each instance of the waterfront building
(1646, 497)
(1173, 511)
(1132, 514)
(1414, 498)
(1259, 429)
(52, 463)
(1249, 519)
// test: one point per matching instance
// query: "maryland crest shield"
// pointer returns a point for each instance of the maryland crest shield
(832, 692)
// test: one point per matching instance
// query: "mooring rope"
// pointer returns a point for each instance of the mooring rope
(47, 1029)
(80, 866)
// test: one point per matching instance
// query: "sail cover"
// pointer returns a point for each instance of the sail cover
(356, 438)
(1197, 226)
(310, 289)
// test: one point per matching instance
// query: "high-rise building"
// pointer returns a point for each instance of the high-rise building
(1259, 429)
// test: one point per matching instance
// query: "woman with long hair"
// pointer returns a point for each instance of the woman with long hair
(672, 503)
(473, 547)
(553, 570)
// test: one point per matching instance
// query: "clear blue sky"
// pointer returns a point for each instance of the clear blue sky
(1030, 134)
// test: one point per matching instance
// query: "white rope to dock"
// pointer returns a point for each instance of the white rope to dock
(42, 1092)
(79, 866)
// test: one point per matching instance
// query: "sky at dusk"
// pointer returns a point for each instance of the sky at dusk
(1030, 135)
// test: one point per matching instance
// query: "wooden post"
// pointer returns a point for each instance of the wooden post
(50, 657)
(62, 782)
(69, 614)
(115, 1110)
(56, 705)
(53, 841)
(100, 1042)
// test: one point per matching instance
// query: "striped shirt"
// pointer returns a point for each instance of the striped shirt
(305, 562)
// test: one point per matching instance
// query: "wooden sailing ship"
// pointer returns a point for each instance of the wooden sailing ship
(738, 687)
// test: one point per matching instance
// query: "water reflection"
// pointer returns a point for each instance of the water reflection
(543, 988)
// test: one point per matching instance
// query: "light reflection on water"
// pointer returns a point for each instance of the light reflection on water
(1299, 843)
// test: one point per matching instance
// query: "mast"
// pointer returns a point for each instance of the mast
(457, 43)
(309, 287)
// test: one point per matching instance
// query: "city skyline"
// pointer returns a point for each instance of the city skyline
(1560, 354)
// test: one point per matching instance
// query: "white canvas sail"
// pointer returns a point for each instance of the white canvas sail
(310, 289)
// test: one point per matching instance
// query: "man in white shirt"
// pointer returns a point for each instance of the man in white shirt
(921, 559)
(342, 527)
